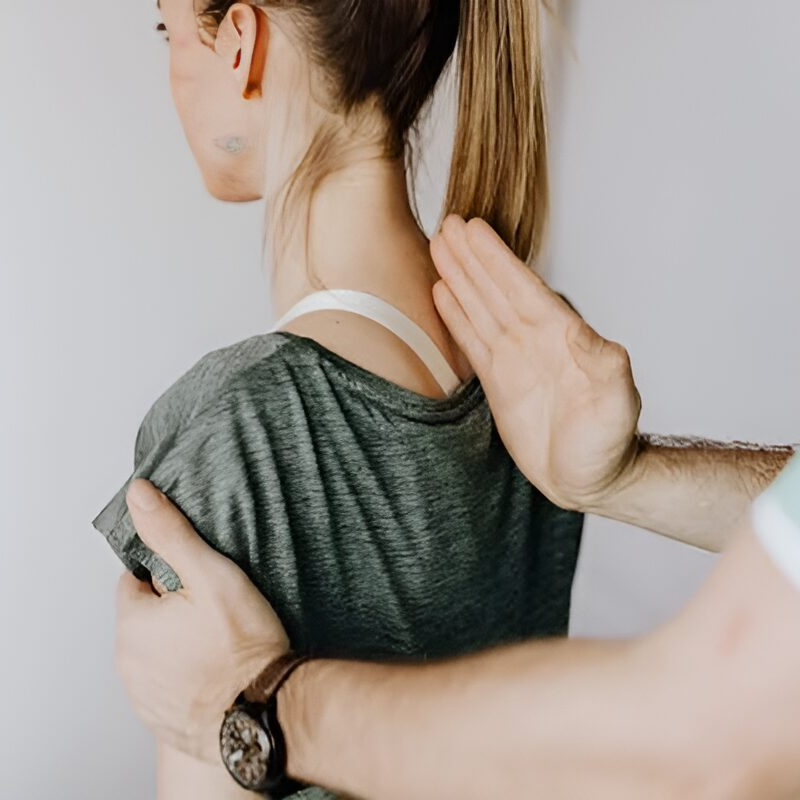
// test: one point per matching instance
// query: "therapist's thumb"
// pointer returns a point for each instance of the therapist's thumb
(599, 358)
(167, 532)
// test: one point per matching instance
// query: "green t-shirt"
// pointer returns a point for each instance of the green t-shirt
(379, 523)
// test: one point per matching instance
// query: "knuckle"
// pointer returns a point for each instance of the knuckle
(227, 579)
(475, 225)
(619, 354)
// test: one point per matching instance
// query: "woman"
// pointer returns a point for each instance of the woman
(347, 461)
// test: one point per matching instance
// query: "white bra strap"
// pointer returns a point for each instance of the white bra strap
(372, 307)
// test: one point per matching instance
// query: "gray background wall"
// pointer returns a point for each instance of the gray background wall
(676, 192)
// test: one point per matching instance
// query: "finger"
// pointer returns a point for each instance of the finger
(474, 289)
(166, 531)
(460, 327)
(483, 322)
(519, 284)
(133, 592)
(454, 231)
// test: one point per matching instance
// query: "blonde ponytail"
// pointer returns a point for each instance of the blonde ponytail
(499, 168)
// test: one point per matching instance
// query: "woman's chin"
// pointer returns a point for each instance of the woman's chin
(229, 190)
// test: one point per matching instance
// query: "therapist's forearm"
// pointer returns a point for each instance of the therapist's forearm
(558, 719)
(692, 490)
(705, 707)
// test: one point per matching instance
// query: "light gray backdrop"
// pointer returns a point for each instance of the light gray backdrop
(674, 130)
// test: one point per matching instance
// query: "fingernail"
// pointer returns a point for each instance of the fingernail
(144, 495)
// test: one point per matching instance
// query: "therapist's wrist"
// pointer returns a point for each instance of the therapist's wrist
(317, 710)
(690, 489)
(637, 469)
(725, 471)
(331, 713)
(295, 718)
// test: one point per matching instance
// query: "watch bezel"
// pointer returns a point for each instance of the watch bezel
(257, 716)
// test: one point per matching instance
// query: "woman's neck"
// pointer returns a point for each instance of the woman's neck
(358, 233)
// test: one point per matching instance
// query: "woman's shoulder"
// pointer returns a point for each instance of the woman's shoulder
(212, 381)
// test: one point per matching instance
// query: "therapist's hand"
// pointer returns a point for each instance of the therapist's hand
(563, 396)
(184, 657)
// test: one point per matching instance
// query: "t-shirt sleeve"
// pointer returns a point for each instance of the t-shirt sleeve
(204, 468)
(776, 520)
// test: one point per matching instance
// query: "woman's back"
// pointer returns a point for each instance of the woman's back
(377, 521)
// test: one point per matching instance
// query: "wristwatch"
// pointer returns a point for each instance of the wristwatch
(251, 740)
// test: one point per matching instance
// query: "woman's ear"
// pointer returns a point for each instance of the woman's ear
(242, 41)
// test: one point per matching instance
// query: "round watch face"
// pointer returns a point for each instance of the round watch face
(246, 749)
